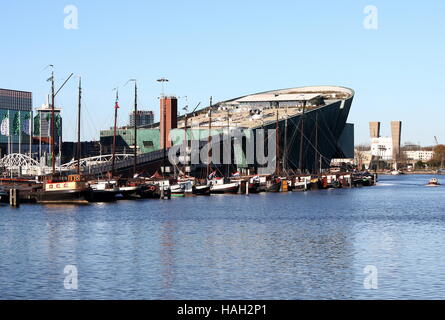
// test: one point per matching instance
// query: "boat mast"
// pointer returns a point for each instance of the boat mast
(186, 108)
(316, 144)
(78, 125)
(135, 127)
(116, 106)
(228, 137)
(53, 131)
(277, 134)
(209, 138)
(285, 145)
(302, 138)
(31, 123)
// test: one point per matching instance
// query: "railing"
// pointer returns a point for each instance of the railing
(122, 164)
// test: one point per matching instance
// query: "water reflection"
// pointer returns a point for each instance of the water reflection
(167, 254)
(267, 246)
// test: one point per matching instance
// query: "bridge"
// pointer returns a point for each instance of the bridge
(123, 162)
(23, 164)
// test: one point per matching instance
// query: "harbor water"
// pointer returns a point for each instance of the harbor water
(301, 245)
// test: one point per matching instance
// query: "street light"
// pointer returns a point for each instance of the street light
(162, 81)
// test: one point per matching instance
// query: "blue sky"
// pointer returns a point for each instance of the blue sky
(231, 48)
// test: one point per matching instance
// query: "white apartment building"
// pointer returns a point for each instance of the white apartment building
(382, 148)
(420, 155)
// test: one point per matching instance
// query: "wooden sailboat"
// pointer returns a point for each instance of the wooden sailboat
(61, 189)
(217, 185)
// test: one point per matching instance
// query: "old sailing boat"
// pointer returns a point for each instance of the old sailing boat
(58, 188)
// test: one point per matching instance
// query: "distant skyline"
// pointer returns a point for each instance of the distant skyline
(229, 49)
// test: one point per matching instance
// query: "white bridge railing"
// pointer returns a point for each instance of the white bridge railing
(23, 164)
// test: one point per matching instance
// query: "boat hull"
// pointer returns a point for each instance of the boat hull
(4, 196)
(230, 188)
(102, 195)
(275, 187)
(127, 193)
(149, 192)
(254, 187)
(201, 190)
(62, 197)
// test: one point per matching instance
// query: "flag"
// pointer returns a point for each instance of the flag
(26, 125)
(37, 125)
(58, 124)
(16, 124)
(116, 106)
(212, 175)
(4, 127)
(236, 174)
(48, 118)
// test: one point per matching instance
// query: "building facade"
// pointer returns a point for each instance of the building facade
(143, 118)
(385, 148)
(169, 118)
(42, 129)
(311, 123)
(382, 148)
(419, 155)
(148, 140)
(16, 121)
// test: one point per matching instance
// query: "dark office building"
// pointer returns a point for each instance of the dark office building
(144, 118)
(15, 119)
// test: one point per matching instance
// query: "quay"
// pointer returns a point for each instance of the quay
(76, 189)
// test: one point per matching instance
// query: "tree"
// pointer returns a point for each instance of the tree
(363, 147)
(438, 159)
(419, 165)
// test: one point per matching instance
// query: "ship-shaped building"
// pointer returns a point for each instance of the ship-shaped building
(311, 123)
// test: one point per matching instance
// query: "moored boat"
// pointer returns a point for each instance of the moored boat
(70, 190)
(254, 187)
(149, 191)
(201, 190)
(274, 185)
(129, 192)
(4, 196)
(177, 190)
(103, 191)
(220, 186)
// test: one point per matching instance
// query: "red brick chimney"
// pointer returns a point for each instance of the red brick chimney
(170, 104)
